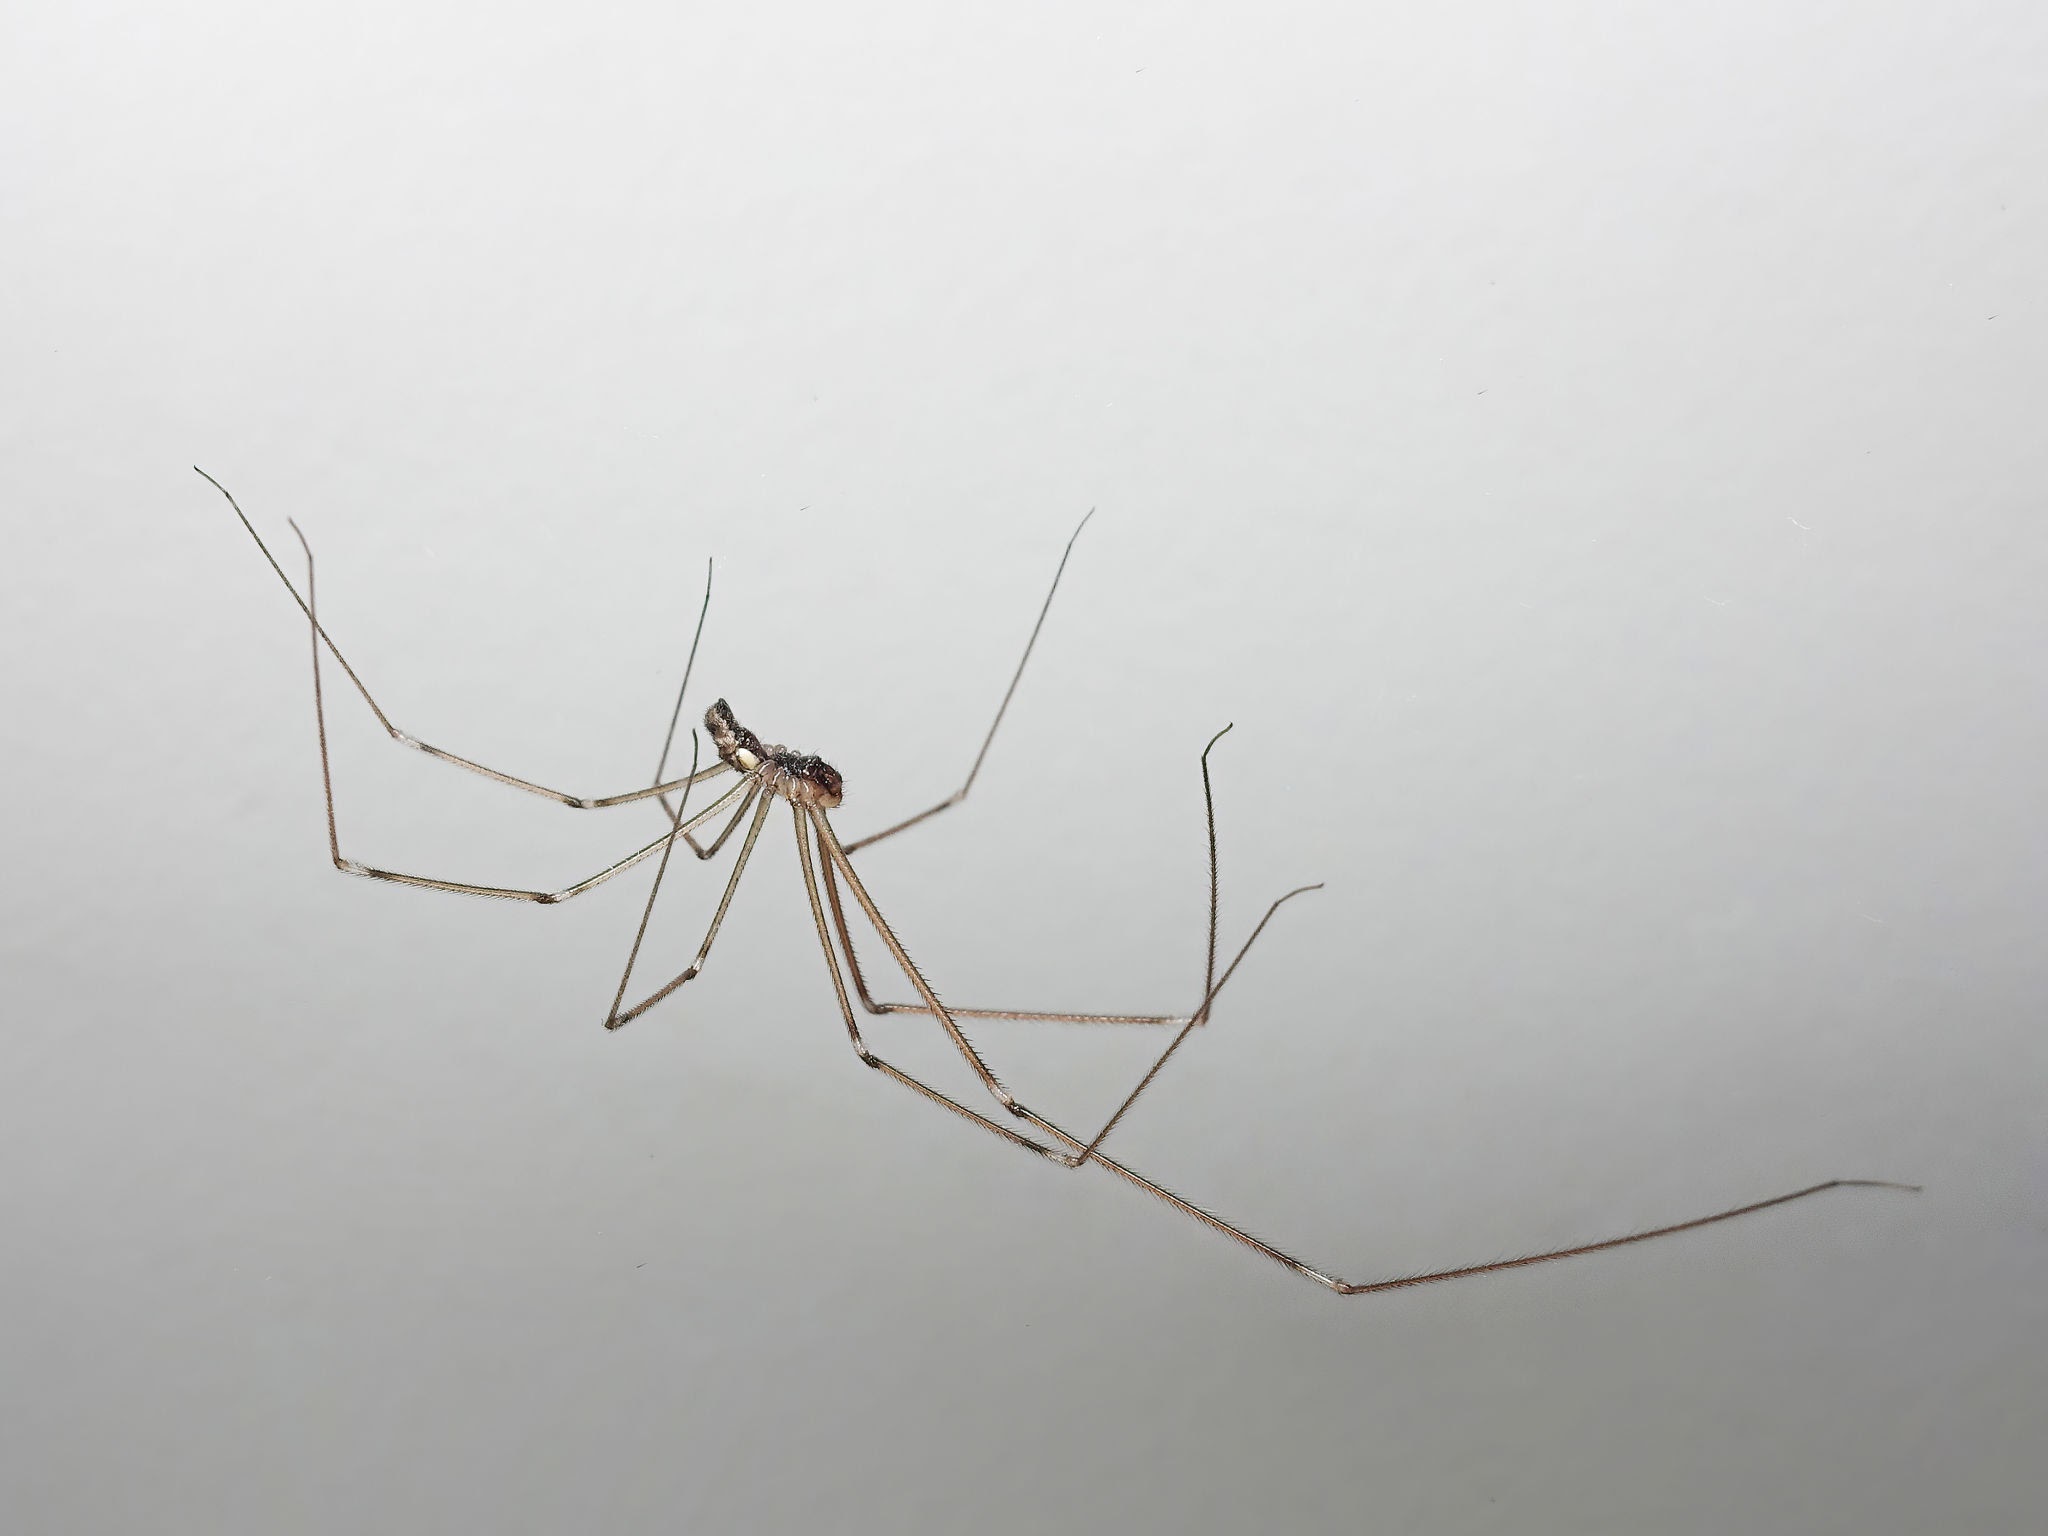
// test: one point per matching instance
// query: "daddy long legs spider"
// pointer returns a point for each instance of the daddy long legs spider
(812, 789)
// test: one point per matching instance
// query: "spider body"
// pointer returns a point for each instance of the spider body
(797, 777)
(812, 787)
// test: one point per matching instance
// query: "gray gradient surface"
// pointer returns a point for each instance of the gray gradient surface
(1593, 453)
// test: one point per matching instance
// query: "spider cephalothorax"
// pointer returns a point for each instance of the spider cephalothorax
(796, 776)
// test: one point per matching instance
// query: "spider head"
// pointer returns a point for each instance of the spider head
(736, 744)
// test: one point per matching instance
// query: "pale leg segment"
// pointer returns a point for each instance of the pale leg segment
(860, 1049)
(618, 1017)
(1036, 1015)
(829, 848)
(1001, 709)
(1030, 1015)
(405, 739)
(430, 882)
(1080, 1151)
(675, 715)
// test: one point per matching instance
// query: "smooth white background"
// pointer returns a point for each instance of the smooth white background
(1594, 453)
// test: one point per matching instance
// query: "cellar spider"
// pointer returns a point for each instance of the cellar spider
(812, 788)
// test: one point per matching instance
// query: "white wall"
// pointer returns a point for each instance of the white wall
(1592, 452)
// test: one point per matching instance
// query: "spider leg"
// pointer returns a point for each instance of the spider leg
(434, 883)
(869, 1058)
(1070, 1151)
(618, 1017)
(405, 738)
(1001, 709)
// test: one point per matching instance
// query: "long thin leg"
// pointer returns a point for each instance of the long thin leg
(676, 714)
(1029, 1015)
(1201, 1016)
(739, 867)
(860, 1048)
(1215, 887)
(833, 853)
(611, 1020)
(828, 845)
(710, 850)
(1210, 984)
(1187, 1023)
(519, 893)
(1036, 1015)
(1001, 709)
(1402, 1282)
(505, 893)
(405, 739)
